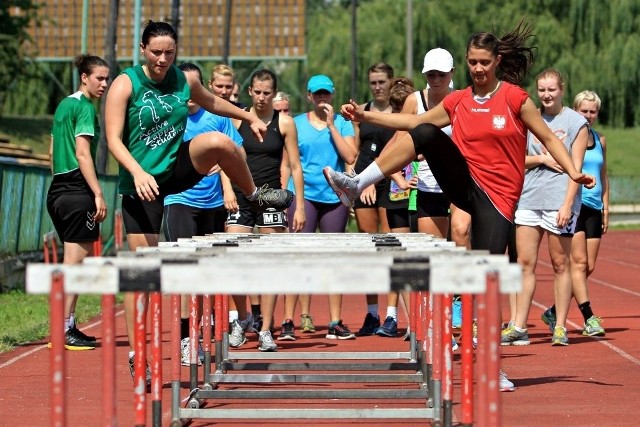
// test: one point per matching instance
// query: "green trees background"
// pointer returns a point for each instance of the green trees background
(594, 43)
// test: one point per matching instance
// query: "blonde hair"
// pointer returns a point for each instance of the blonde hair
(222, 70)
(586, 95)
(281, 96)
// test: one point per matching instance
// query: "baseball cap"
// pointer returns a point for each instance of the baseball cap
(320, 82)
(438, 59)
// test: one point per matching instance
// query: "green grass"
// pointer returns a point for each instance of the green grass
(623, 151)
(25, 318)
(32, 131)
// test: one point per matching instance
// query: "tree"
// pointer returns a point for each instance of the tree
(15, 18)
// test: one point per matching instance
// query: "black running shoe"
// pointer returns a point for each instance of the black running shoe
(132, 369)
(276, 198)
(74, 341)
(339, 331)
(287, 333)
(83, 335)
(370, 325)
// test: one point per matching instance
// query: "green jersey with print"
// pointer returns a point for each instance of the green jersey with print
(75, 116)
(154, 124)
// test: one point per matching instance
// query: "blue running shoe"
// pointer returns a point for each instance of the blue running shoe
(389, 328)
(456, 314)
(549, 319)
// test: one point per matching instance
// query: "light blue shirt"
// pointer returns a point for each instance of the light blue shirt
(207, 193)
(317, 150)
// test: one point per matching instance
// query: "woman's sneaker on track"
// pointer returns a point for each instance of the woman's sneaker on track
(512, 336)
(593, 327)
(339, 331)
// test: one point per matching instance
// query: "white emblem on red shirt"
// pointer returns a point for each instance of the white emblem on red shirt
(499, 122)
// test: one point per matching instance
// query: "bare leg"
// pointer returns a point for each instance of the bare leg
(136, 241)
(560, 250)
(211, 148)
(528, 241)
(74, 253)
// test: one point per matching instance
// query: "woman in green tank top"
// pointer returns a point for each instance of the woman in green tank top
(145, 118)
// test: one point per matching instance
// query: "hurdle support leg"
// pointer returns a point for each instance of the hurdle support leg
(108, 360)
(447, 374)
(156, 358)
(467, 361)
(175, 361)
(140, 358)
(58, 367)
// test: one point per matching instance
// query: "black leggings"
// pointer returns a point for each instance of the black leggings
(489, 228)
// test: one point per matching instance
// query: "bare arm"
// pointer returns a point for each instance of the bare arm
(604, 182)
(577, 155)
(216, 105)
(437, 116)
(290, 133)
(115, 112)
(533, 121)
(345, 145)
(85, 161)
(531, 162)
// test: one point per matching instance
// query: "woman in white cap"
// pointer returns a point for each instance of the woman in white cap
(324, 138)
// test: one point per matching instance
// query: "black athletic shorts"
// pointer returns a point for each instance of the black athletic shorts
(71, 205)
(432, 204)
(182, 221)
(589, 222)
(398, 218)
(142, 217)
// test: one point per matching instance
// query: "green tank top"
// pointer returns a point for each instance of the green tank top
(154, 123)
(74, 116)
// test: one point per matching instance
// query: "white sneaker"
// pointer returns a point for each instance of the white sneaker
(505, 384)
(345, 186)
(237, 336)
(185, 353)
(266, 342)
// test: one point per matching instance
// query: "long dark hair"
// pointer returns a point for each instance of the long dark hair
(517, 58)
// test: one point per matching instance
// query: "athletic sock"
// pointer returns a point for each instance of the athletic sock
(520, 329)
(392, 312)
(369, 176)
(255, 310)
(66, 325)
(253, 195)
(233, 315)
(184, 328)
(372, 309)
(72, 320)
(585, 309)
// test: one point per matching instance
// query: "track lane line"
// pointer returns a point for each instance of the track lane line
(44, 346)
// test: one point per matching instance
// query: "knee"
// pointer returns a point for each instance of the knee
(423, 135)
(212, 141)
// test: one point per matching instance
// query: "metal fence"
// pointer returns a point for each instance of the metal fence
(23, 212)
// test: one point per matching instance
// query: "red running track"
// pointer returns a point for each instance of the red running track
(592, 382)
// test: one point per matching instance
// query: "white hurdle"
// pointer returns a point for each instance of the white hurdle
(225, 264)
